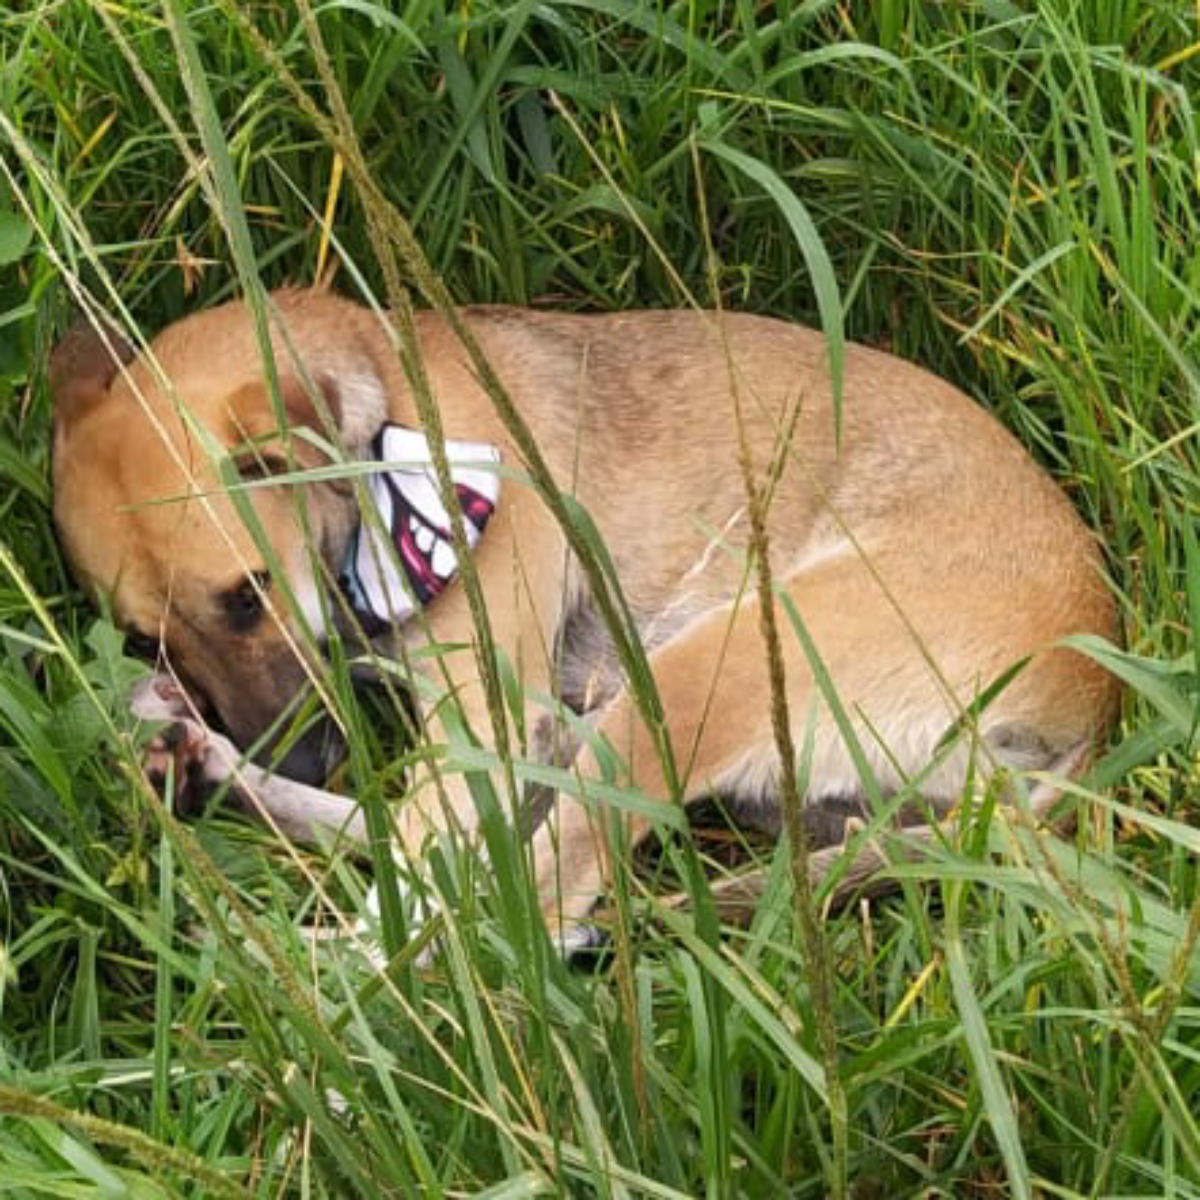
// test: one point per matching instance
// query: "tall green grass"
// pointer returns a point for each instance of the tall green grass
(1004, 192)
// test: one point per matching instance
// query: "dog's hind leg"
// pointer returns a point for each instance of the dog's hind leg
(904, 681)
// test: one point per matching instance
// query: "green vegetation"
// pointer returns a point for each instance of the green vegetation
(1004, 191)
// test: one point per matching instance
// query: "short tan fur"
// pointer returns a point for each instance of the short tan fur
(924, 550)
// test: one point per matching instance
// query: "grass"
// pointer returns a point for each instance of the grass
(1004, 192)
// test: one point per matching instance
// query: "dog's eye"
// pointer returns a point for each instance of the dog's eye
(141, 645)
(243, 604)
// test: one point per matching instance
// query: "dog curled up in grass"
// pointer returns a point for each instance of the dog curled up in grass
(924, 551)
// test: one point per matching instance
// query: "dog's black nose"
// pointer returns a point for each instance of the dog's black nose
(312, 757)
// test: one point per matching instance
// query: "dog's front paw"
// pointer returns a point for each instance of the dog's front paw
(187, 753)
(420, 909)
(579, 945)
(159, 698)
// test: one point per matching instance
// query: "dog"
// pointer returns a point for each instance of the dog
(924, 551)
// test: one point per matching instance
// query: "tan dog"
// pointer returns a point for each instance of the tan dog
(925, 552)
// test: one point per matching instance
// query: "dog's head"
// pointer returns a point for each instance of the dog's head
(145, 521)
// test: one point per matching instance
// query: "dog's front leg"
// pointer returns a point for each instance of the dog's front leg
(712, 686)
(524, 598)
(573, 848)
(202, 759)
(457, 724)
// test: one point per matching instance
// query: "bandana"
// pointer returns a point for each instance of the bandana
(406, 559)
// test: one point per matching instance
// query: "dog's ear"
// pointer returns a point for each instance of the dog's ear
(316, 406)
(254, 423)
(82, 368)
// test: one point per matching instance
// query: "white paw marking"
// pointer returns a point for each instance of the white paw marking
(419, 909)
(187, 742)
(159, 698)
(577, 938)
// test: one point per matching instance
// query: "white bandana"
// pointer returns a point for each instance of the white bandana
(406, 559)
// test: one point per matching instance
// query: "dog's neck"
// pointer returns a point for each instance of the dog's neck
(402, 555)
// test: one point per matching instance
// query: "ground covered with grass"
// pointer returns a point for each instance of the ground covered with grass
(1005, 192)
